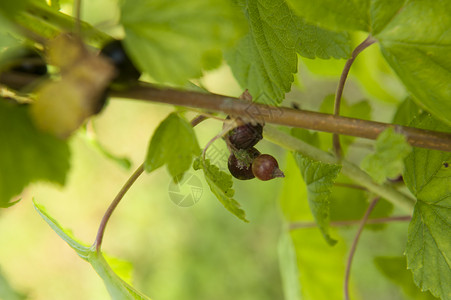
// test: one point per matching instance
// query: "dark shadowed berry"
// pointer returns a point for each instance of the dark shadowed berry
(241, 168)
(245, 136)
(265, 167)
(31, 63)
(127, 72)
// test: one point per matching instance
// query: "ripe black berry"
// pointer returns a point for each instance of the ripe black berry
(245, 136)
(127, 72)
(241, 168)
(31, 63)
(265, 167)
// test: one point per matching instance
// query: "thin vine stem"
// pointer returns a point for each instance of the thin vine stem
(341, 84)
(123, 191)
(114, 204)
(354, 246)
(303, 225)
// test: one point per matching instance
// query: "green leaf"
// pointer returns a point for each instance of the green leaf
(10, 8)
(264, 60)
(7, 292)
(220, 184)
(117, 288)
(27, 155)
(310, 137)
(344, 196)
(419, 54)
(395, 269)
(174, 143)
(363, 15)
(388, 159)
(320, 268)
(428, 176)
(406, 112)
(170, 39)
(288, 268)
(320, 178)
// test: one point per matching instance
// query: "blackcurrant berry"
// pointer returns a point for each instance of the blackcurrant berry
(241, 168)
(127, 72)
(31, 63)
(245, 136)
(265, 167)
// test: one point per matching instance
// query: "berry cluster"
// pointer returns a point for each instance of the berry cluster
(246, 162)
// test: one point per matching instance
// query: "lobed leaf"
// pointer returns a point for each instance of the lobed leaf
(220, 184)
(171, 40)
(428, 176)
(319, 178)
(388, 159)
(27, 155)
(265, 60)
(117, 288)
(419, 54)
(173, 144)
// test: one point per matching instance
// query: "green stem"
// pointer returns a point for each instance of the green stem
(349, 169)
(47, 23)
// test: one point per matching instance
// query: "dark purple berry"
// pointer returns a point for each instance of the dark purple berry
(245, 136)
(241, 168)
(31, 63)
(265, 167)
(126, 71)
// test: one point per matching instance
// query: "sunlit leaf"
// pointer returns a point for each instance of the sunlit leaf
(173, 40)
(117, 288)
(265, 60)
(173, 144)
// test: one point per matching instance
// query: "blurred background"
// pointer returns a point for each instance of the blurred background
(196, 252)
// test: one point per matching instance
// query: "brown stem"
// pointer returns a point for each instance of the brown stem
(198, 119)
(354, 246)
(344, 75)
(114, 204)
(284, 116)
(279, 115)
(303, 225)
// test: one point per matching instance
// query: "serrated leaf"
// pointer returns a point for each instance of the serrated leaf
(388, 159)
(319, 178)
(419, 54)
(265, 60)
(320, 267)
(220, 184)
(428, 176)
(406, 112)
(27, 155)
(117, 288)
(174, 143)
(395, 269)
(170, 39)
(363, 15)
